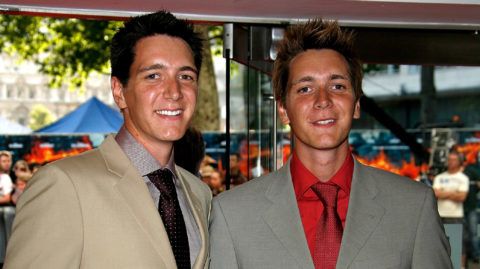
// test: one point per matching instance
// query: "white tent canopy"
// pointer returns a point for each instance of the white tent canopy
(10, 127)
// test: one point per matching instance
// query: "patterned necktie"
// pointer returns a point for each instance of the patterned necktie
(172, 217)
(329, 228)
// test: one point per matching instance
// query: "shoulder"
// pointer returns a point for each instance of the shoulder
(78, 161)
(439, 175)
(73, 170)
(390, 182)
(5, 177)
(463, 176)
(250, 191)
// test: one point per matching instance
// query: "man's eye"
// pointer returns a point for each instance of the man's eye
(303, 90)
(338, 87)
(186, 77)
(153, 76)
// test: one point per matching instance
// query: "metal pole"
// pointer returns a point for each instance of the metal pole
(275, 134)
(228, 54)
(227, 120)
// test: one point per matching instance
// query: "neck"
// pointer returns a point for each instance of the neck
(160, 150)
(324, 164)
(453, 170)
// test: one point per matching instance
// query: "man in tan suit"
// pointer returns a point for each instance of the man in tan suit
(126, 204)
(323, 209)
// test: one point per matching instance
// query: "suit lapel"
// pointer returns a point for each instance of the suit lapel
(364, 214)
(133, 190)
(197, 212)
(283, 217)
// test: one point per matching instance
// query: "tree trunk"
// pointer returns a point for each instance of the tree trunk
(207, 114)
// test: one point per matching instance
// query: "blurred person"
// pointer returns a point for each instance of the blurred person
(323, 209)
(208, 161)
(189, 151)
(205, 172)
(7, 212)
(5, 162)
(216, 183)
(126, 204)
(451, 188)
(470, 207)
(6, 185)
(456, 121)
(236, 176)
(213, 178)
(22, 178)
(20, 166)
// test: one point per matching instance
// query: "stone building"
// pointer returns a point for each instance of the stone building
(22, 87)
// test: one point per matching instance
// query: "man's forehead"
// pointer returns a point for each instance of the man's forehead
(164, 37)
(319, 61)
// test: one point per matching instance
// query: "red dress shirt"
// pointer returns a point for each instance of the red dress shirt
(308, 203)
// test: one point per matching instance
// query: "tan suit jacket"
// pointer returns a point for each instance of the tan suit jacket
(392, 222)
(95, 211)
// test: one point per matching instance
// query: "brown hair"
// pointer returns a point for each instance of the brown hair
(6, 153)
(314, 34)
(22, 163)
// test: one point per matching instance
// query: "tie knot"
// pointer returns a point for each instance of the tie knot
(163, 180)
(327, 193)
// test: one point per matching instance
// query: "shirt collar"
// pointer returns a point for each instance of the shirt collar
(303, 179)
(141, 159)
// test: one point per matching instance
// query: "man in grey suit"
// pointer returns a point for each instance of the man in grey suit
(324, 209)
(126, 204)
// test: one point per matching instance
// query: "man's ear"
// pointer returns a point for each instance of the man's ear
(282, 112)
(356, 110)
(117, 92)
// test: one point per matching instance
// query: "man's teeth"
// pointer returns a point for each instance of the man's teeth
(325, 121)
(169, 112)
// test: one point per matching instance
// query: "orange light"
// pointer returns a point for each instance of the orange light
(381, 161)
(44, 154)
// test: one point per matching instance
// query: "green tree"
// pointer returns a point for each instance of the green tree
(40, 116)
(69, 50)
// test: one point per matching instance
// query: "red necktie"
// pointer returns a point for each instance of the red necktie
(329, 228)
(169, 209)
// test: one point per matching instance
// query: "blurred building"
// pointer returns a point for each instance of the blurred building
(396, 89)
(22, 86)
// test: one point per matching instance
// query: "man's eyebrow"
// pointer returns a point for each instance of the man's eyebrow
(161, 66)
(338, 76)
(303, 79)
(189, 68)
(151, 67)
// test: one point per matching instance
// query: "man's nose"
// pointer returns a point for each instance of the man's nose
(172, 89)
(322, 99)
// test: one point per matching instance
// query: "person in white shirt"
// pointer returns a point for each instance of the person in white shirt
(451, 189)
(7, 212)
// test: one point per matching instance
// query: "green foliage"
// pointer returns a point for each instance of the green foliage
(40, 116)
(215, 34)
(67, 50)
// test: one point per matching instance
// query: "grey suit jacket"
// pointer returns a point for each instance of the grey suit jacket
(392, 222)
(95, 211)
